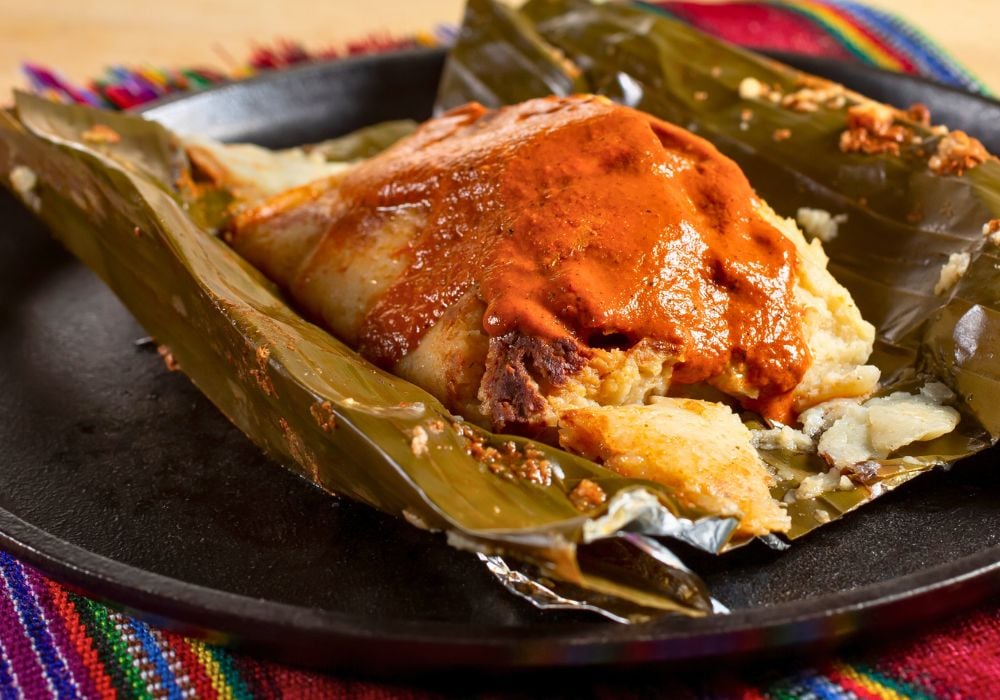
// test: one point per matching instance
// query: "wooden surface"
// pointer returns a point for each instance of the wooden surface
(80, 37)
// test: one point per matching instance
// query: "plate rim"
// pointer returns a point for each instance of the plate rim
(241, 621)
(237, 620)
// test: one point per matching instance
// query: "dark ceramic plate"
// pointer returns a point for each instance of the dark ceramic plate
(120, 479)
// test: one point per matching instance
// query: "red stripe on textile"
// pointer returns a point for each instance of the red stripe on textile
(305, 684)
(851, 685)
(759, 26)
(82, 641)
(191, 666)
(74, 644)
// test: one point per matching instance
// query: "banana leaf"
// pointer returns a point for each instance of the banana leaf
(903, 220)
(311, 402)
(354, 430)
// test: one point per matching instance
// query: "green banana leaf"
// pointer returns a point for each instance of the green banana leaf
(311, 402)
(903, 221)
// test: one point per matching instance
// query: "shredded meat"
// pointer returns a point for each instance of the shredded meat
(520, 370)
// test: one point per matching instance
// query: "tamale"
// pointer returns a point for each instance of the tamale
(97, 196)
(792, 134)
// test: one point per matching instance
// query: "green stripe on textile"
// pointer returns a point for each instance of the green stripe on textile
(121, 665)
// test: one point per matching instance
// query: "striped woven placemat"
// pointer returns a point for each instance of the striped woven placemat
(838, 29)
(54, 642)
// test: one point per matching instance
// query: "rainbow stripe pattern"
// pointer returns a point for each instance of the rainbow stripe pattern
(841, 29)
(58, 644)
(834, 28)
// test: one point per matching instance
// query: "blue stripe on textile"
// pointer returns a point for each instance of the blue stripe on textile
(155, 654)
(931, 61)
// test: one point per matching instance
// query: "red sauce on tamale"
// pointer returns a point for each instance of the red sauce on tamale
(578, 218)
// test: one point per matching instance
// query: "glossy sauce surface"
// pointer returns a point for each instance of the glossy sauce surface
(578, 218)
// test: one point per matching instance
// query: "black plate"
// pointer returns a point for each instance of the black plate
(119, 478)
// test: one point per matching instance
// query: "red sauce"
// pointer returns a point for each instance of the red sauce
(579, 218)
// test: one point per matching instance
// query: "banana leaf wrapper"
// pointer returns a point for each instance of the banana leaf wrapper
(903, 220)
(105, 185)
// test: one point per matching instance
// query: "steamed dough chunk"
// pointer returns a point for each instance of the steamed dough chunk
(839, 339)
(698, 448)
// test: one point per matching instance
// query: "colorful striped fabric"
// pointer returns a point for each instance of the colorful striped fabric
(833, 28)
(56, 643)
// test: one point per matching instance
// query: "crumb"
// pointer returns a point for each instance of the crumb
(418, 441)
(872, 129)
(819, 223)
(435, 426)
(101, 133)
(752, 89)
(919, 113)
(587, 495)
(801, 101)
(956, 153)
(508, 462)
(168, 358)
(137, 232)
(716, 71)
(951, 272)
(24, 181)
(781, 134)
(782, 438)
(700, 96)
(822, 516)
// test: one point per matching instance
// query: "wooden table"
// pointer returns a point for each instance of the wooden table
(80, 37)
